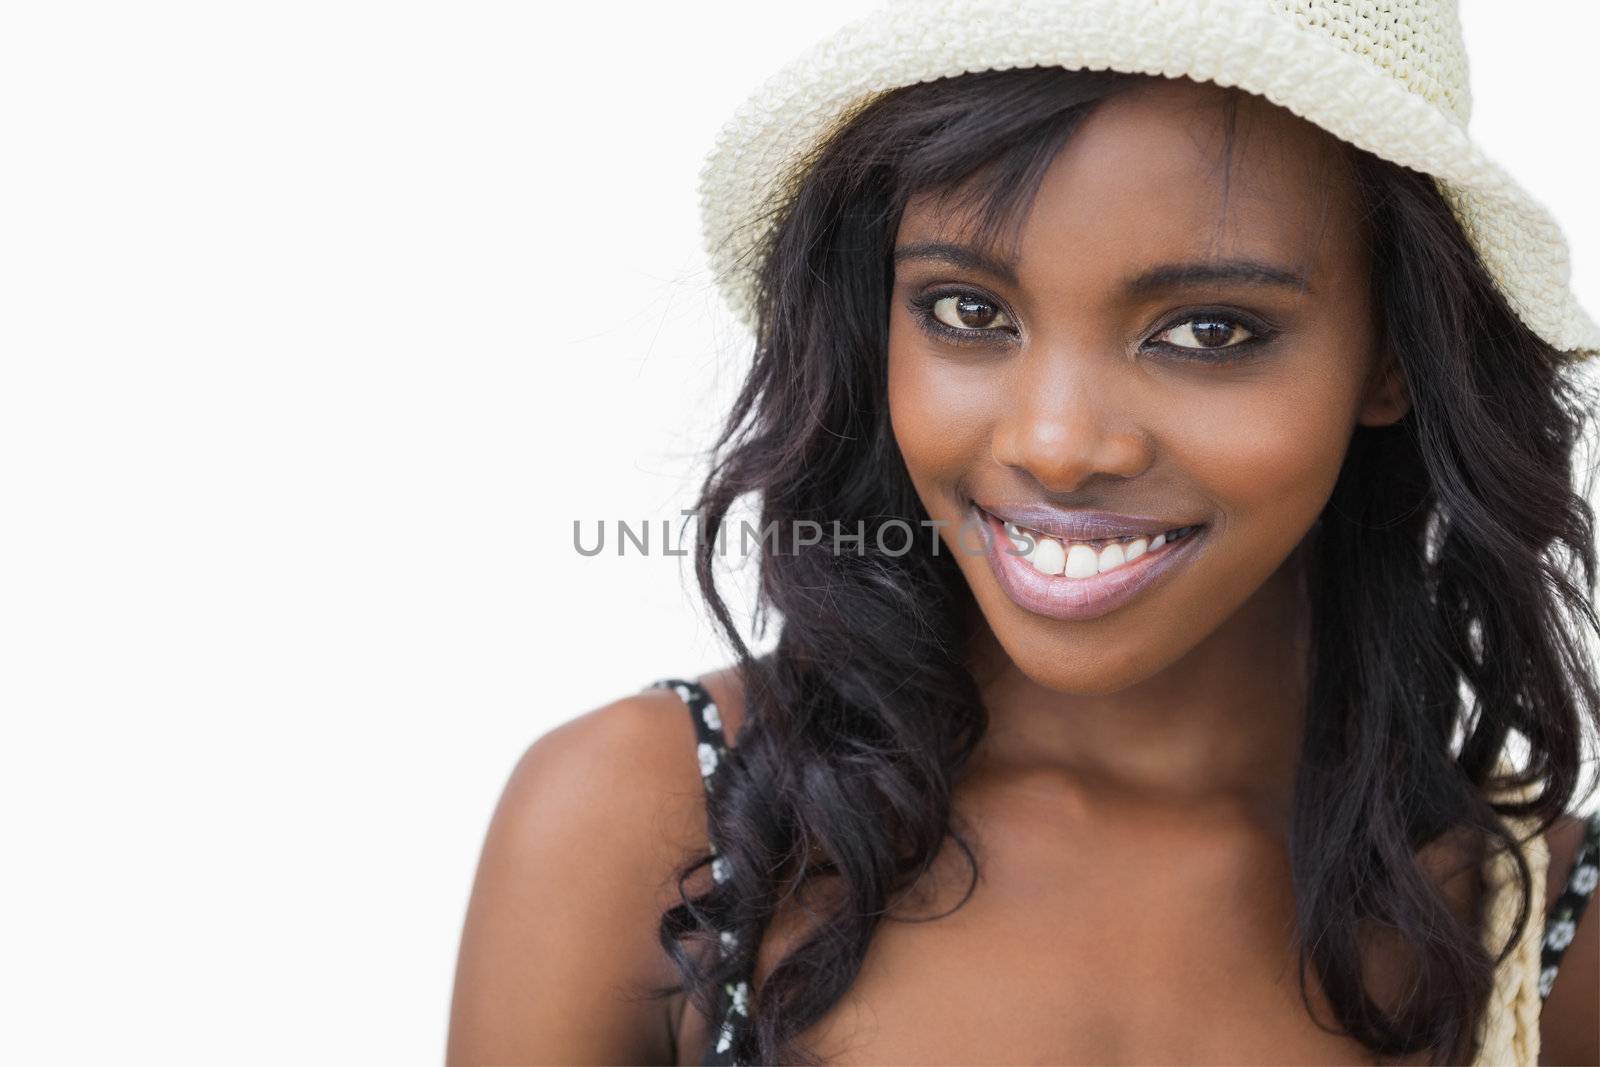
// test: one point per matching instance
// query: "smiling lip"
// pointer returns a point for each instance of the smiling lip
(1074, 525)
(1079, 599)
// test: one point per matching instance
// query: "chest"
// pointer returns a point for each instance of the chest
(1146, 948)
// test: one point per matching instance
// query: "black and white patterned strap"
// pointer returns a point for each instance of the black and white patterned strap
(712, 751)
(1568, 907)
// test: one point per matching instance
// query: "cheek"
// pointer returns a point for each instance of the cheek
(1267, 454)
(939, 415)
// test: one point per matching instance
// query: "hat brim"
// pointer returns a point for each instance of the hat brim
(1239, 43)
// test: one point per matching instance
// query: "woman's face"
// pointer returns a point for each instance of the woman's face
(1144, 354)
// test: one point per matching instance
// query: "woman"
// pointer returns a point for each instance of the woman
(1245, 468)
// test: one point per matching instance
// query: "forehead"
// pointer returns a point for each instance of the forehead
(1144, 179)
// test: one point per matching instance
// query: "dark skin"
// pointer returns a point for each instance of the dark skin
(1131, 796)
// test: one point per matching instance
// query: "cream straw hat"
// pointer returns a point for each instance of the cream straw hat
(1389, 76)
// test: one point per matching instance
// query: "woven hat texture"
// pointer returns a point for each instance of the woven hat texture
(1508, 1031)
(1389, 76)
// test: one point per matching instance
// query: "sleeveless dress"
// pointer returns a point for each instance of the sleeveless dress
(1508, 1035)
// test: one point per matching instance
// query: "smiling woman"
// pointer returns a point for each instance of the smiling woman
(1201, 754)
(1184, 328)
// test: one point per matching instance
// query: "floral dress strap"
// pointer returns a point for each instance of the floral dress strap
(712, 751)
(1568, 907)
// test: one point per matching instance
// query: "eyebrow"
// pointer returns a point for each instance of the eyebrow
(1238, 271)
(957, 256)
(1165, 276)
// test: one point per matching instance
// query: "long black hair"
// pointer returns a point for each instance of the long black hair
(1475, 555)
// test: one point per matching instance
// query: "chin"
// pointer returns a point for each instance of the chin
(1058, 661)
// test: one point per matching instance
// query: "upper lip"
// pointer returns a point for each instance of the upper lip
(1071, 525)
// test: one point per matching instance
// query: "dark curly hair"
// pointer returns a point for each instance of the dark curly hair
(1465, 627)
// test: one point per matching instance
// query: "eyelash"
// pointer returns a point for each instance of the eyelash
(921, 308)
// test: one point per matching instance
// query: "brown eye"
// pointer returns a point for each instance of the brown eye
(1208, 331)
(968, 311)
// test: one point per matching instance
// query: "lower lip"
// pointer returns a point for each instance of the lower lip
(1078, 599)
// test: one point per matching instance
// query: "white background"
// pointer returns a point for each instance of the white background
(320, 323)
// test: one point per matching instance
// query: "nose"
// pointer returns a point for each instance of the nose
(1068, 417)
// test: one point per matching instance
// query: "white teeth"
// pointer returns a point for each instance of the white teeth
(1076, 559)
(1048, 557)
(1082, 562)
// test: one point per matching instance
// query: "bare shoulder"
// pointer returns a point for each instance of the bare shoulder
(580, 860)
(1568, 1030)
